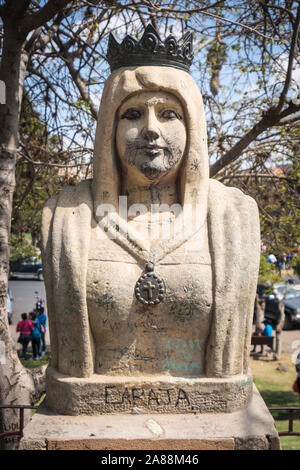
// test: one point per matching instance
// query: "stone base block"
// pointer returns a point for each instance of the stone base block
(154, 394)
(250, 428)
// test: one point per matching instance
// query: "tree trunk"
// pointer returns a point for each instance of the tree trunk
(260, 305)
(17, 385)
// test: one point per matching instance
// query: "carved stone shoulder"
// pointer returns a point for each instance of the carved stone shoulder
(230, 195)
(75, 193)
(71, 196)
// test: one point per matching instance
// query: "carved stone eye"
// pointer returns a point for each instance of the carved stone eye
(170, 114)
(131, 114)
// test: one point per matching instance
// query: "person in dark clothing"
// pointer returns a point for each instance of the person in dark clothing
(35, 335)
(42, 317)
(25, 327)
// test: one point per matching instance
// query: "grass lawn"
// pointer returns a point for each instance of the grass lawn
(275, 387)
(31, 363)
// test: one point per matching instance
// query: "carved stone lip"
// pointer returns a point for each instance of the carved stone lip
(152, 147)
(152, 150)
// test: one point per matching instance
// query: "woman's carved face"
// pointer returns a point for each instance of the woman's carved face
(151, 135)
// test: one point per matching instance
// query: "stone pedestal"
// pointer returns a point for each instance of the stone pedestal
(102, 394)
(249, 428)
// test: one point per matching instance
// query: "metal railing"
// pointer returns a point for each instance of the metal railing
(21, 419)
(291, 410)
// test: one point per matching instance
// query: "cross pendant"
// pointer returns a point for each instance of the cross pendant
(149, 289)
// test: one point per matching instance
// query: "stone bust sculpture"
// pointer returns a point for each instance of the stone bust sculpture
(133, 315)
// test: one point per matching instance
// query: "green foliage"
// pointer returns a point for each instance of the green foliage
(21, 249)
(33, 364)
(35, 184)
(267, 272)
(30, 122)
(296, 264)
(82, 104)
(277, 197)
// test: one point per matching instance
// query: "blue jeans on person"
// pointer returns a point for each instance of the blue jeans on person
(42, 347)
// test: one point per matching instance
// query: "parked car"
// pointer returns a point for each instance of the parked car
(291, 301)
(27, 270)
(9, 308)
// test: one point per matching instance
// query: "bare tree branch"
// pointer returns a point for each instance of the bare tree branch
(35, 43)
(204, 11)
(75, 74)
(49, 84)
(53, 165)
(14, 8)
(274, 116)
(291, 60)
(238, 148)
(257, 175)
(289, 119)
(32, 40)
(39, 18)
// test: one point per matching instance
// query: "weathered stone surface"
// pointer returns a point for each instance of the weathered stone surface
(141, 444)
(156, 394)
(274, 442)
(252, 443)
(249, 428)
(33, 444)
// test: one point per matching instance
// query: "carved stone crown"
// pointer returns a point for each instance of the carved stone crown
(151, 50)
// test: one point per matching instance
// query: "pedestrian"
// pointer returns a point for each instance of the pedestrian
(272, 258)
(25, 327)
(267, 331)
(42, 317)
(35, 335)
(280, 263)
(263, 247)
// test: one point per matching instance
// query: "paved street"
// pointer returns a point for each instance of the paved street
(23, 293)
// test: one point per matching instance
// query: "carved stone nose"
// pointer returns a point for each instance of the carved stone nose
(150, 129)
(150, 134)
